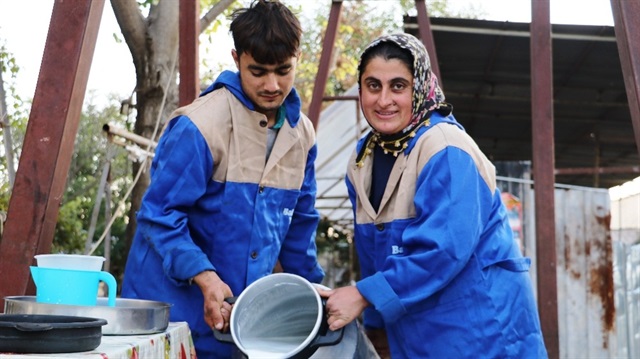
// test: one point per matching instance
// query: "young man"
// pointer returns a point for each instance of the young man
(232, 185)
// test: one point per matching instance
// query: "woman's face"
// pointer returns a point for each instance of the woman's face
(386, 94)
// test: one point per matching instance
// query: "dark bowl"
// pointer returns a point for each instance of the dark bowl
(39, 333)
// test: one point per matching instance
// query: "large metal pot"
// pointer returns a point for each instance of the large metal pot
(28, 333)
(128, 317)
(279, 316)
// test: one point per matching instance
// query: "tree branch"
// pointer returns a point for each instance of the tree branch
(164, 28)
(132, 26)
(213, 13)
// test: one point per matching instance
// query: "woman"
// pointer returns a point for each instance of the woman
(441, 272)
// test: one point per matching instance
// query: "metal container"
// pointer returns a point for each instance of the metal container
(128, 317)
(280, 316)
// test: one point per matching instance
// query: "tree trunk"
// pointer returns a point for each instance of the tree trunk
(153, 42)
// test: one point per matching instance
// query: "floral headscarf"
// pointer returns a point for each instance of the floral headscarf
(427, 95)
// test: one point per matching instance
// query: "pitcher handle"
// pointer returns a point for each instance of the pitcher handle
(110, 281)
(325, 335)
(225, 337)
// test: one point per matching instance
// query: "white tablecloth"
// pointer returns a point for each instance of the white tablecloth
(173, 343)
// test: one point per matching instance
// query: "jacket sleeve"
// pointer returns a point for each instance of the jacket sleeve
(452, 204)
(180, 171)
(299, 254)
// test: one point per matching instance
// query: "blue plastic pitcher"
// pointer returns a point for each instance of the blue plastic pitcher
(74, 287)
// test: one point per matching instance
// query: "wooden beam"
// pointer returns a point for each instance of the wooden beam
(424, 29)
(543, 172)
(325, 61)
(48, 144)
(188, 50)
(626, 17)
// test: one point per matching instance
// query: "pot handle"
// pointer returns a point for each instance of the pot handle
(33, 327)
(325, 335)
(329, 338)
(225, 337)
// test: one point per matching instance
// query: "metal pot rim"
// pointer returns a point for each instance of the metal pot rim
(280, 277)
(129, 316)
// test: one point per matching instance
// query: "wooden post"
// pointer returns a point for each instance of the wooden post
(626, 16)
(48, 144)
(188, 48)
(543, 172)
(325, 58)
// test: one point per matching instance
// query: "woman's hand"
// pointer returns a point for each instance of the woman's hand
(343, 305)
(217, 312)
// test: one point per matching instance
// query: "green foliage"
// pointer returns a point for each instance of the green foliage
(336, 246)
(329, 238)
(211, 35)
(8, 62)
(223, 19)
(16, 119)
(83, 182)
(70, 234)
(91, 146)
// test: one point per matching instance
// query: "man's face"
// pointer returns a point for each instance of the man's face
(265, 85)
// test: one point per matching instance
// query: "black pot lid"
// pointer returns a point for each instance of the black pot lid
(37, 322)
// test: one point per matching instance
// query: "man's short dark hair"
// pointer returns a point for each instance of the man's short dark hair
(267, 30)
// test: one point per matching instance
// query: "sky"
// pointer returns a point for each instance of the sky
(23, 30)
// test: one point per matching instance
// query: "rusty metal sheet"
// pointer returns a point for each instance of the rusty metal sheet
(586, 307)
(588, 322)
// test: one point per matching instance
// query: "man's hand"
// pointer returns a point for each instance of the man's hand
(217, 312)
(343, 305)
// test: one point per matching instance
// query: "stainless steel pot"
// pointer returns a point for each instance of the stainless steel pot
(279, 316)
(128, 317)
